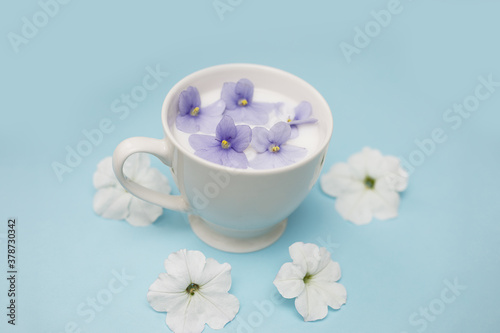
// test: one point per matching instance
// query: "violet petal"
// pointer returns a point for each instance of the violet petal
(303, 110)
(281, 160)
(260, 139)
(242, 139)
(264, 160)
(244, 89)
(279, 133)
(207, 124)
(214, 109)
(234, 159)
(303, 121)
(226, 130)
(211, 154)
(210, 116)
(189, 99)
(201, 141)
(229, 96)
(293, 153)
(238, 114)
(295, 131)
(287, 155)
(256, 113)
(187, 123)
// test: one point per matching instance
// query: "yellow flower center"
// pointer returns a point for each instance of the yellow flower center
(275, 149)
(289, 119)
(242, 102)
(225, 145)
(194, 112)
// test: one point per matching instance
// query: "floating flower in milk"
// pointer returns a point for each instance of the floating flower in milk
(272, 149)
(192, 117)
(302, 115)
(240, 104)
(227, 146)
(231, 146)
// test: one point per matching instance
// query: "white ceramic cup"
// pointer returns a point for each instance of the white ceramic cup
(234, 210)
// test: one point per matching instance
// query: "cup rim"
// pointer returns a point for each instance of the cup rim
(176, 89)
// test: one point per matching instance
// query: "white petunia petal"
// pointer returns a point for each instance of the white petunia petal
(215, 310)
(360, 208)
(220, 308)
(118, 204)
(184, 318)
(357, 207)
(359, 162)
(216, 277)
(209, 303)
(334, 294)
(186, 265)
(142, 213)
(104, 175)
(389, 204)
(395, 177)
(374, 163)
(112, 203)
(311, 304)
(358, 201)
(135, 164)
(324, 260)
(152, 178)
(169, 283)
(308, 256)
(290, 280)
(167, 293)
(339, 180)
(315, 289)
(330, 273)
(166, 301)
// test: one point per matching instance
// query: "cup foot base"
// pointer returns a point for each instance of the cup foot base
(222, 242)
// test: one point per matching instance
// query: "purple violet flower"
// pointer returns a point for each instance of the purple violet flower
(192, 117)
(273, 152)
(303, 113)
(227, 147)
(240, 105)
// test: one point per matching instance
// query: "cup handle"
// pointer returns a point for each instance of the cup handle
(157, 148)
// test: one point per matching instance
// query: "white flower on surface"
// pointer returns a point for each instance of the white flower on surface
(112, 201)
(194, 291)
(311, 277)
(366, 186)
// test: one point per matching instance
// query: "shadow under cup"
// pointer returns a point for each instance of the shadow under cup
(244, 210)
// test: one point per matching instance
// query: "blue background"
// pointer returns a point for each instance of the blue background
(392, 92)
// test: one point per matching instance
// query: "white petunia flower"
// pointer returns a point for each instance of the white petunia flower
(112, 201)
(194, 291)
(366, 186)
(311, 277)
